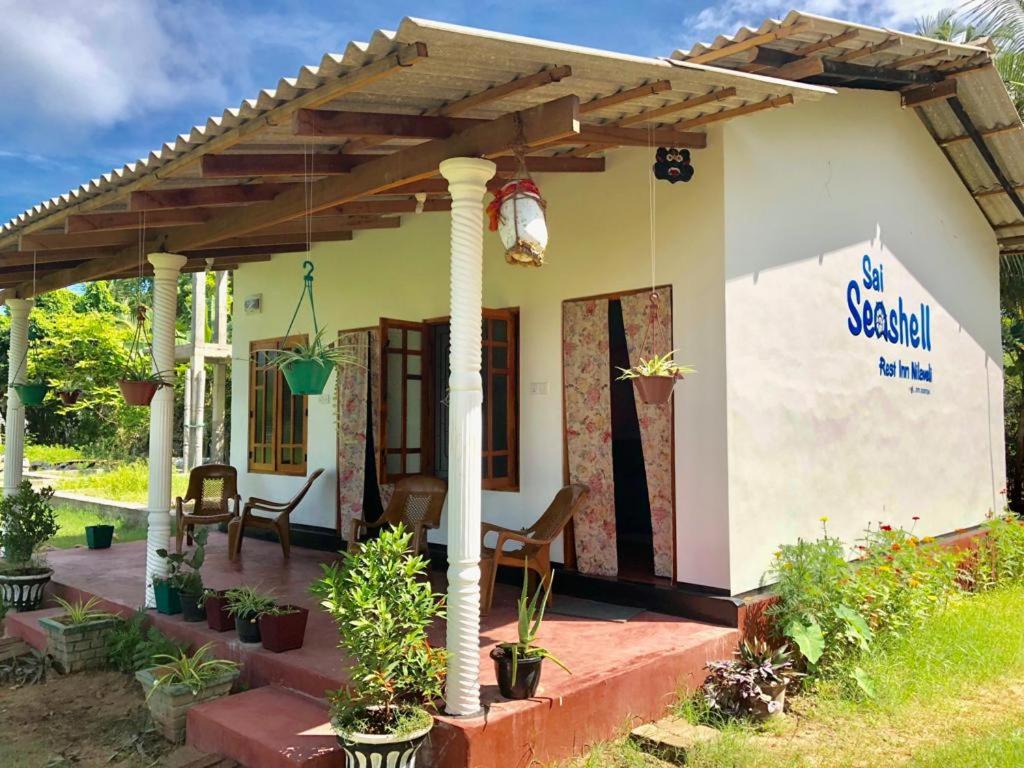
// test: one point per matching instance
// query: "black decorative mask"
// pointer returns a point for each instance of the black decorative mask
(671, 164)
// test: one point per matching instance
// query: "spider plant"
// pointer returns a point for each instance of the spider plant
(315, 351)
(249, 603)
(82, 613)
(659, 365)
(195, 671)
(531, 614)
(140, 369)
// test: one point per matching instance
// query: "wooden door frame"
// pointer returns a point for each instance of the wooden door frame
(568, 534)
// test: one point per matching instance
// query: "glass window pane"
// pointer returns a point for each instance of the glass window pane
(413, 339)
(499, 465)
(286, 456)
(500, 330)
(499, 413)
(413, 407)
(300, 417)
(394, 414)
(300, 455)
(286, 420)
(499, 356)
(395, 338)
(412, 463)
(414, 365)
(394, 463)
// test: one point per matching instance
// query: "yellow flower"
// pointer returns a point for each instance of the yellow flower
(778, 554)
(788, 566)
(823, 518)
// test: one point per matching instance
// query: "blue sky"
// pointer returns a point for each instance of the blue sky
(87, 85)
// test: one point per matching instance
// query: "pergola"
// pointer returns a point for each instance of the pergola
(423, 119)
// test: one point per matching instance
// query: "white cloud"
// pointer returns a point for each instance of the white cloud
(726, 17)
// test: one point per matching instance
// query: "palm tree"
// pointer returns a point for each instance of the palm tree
(1004, 15)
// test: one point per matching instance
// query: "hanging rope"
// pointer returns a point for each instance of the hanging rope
(653, 308)
(307, 291)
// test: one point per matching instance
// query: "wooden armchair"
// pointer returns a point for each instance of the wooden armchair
(417, 504)
(535, 541)
(278, 521)
(213, 491)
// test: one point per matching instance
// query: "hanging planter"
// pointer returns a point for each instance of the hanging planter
(138, 383)
(69, 396)
(517, 215)
(655, 378)
(307, 367)
(32, 393)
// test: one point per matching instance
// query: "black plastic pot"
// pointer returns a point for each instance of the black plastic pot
(191, 610)
(99, 536)
(248, 628)
(527, 674)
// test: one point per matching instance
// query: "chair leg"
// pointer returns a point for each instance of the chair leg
(488, 573)
(179, 534)
(241, 535)
(285, 535)
(234, 526)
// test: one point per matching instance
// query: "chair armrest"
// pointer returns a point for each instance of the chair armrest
(265, 505)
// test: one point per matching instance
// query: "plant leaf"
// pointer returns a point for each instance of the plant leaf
(864, 682)
(808, 638)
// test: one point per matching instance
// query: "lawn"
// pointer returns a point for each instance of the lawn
(128, 482)
(947, 694)
(72, 524)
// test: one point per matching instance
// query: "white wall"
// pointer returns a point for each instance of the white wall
(599, 228)
(813, 428)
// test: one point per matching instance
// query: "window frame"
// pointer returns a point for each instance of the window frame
(255, 371)
(383, 450)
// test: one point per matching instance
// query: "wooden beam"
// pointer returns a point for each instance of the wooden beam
(404, 57)
(997, 191)
(728, 114)
(496, 92)
(910, 61)
(880, 74)
(379, 207)
(627, 94)
(44, 241)
(246, 166)
(759, 59)
(436, 186)
(869, 50)
(985, 134)
(751, 42)
(331, 222)
(637, 137)
(927, 94)
(810, 66)
(197, 197)
(242, 253)
(829, 42)
(26, 258)
(260, 240)
(329, 123)
(539, 124)
(671, 109)
(94, 269)
(93, 222)
(1005, 242)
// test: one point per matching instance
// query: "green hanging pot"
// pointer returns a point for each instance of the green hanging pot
(307, 377)
(31, 394)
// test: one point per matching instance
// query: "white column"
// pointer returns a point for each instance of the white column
(197, 414)
(467, 179)
(186, 413)
(166, 267)
(218, 450)
(17, 367)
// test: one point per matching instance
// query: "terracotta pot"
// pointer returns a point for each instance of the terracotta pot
(285, 631)
(365, 749)
(69, 397)
(217, 616)
(655, 390)
(138, 392)
(527, 674)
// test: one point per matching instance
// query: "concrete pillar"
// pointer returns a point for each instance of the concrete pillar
(218, 436)
(467, 178)
(197, 370)
(186, 413)
(166, 267)
(17, 373)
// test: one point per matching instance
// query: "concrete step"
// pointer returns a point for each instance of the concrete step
(268, 727)
(26, 626)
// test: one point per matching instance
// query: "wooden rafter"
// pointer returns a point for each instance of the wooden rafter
(869, 50)
(920, 58)
(671, 109)
(45, 241)
(331, 222)
(404, 57)
(381, 207)
(985, 134)
(637, 137)
(199, 197)
(928, 94)
(625, 95)
(728, 114)
(330, 123)
(27, 258)
(259, 240)
(93, 222)
(829, 42)
(751, 42)
(986, 153)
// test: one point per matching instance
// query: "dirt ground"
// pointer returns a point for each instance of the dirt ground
(84, 720)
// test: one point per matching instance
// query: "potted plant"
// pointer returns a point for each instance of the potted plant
(71, 388)
(655, 378)
(26, 522)
(307, 367)
(138, 382)
(751, 685)
(246, 605)
(517, 665)
(283, 627)
(31, 393)
(218, 617)
(77, 638)
(180, 682)
(183, 585)
(99, 536)
(383, 605)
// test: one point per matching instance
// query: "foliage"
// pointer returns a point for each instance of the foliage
(248, 603)
(80, 612)
(750, 683)
(315, 351)
(195, 671)
(27, 669)
(530, 614)
(999, 556)
(183, 569)
(659, 365)
(127, 482)
(834, 612)
(27, 520)
(383, 605)
(132, 645)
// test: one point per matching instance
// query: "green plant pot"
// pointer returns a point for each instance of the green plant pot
(31, 394)
(307, 377)
(168, 598)
(99, 536)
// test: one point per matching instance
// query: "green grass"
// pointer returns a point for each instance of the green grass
(72, 524)
(948, 694)
(51, 454)
(128, 482)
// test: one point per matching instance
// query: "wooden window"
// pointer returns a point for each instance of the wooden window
(277, 418)
(402, 400)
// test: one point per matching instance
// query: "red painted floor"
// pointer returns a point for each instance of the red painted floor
(621, 671)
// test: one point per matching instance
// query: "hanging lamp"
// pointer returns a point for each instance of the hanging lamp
(517, 214)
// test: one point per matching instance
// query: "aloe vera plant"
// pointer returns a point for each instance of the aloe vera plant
(530, 615)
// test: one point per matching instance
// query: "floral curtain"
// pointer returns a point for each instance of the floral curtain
(352, 429)
(585, 357)
(649, 331)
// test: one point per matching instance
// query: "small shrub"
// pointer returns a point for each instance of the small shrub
(132, 646)
(998, 557)
(196, 670)
(27, 520)
(751, 683)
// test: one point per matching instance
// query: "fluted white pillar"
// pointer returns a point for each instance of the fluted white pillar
(467, 179)
(17, 367)
(166, 267)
